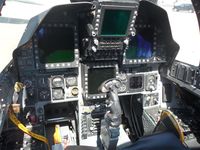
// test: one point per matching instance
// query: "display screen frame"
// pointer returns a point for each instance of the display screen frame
(107, 7)
(138, 79)
(56, 41)
(145, 41)
(156, 51)
(85, 81)
(58, 65)
(139, 89)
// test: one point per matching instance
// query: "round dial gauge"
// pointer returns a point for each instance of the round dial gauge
(58, 81)
(58, 93)
(71, 81)
(44, 94)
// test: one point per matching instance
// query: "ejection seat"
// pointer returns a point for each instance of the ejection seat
(167, 136)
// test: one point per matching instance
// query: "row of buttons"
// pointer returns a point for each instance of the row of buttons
(25, 62)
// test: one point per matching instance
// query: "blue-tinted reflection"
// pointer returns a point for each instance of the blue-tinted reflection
(41, 33)
(144, 48)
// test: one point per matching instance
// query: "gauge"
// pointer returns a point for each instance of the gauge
(71, 81)
(150, 100)
(117, 84)
(44, 94)
(122, 77)
(151, 83)
(58, 81)
(58, 93)
(43, 82)
(122, 88)
(152, 79)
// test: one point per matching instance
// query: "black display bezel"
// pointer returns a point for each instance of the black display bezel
(89, 96)
(103, 9)
(59, 65)
(135, 89)
(156, 57)
(98, 21)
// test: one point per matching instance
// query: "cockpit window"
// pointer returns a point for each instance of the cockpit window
(185, 29)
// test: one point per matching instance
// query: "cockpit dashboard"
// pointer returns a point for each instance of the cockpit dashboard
(68, 51)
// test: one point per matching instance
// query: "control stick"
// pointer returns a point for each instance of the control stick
(112, 119)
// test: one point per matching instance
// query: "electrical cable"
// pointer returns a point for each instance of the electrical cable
(14, 119)
(17, 89)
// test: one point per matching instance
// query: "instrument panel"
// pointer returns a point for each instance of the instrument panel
(74, 48)
(59, 47)
(186, 76)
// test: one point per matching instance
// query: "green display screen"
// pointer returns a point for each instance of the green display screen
(56, 44)
(97, 76)
(115, 22)
(60, 56)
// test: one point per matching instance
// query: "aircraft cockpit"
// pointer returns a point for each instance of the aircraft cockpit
(98, 74)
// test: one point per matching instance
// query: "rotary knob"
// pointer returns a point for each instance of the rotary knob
(74, 91)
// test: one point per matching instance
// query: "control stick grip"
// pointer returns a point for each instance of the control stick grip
(114, 115)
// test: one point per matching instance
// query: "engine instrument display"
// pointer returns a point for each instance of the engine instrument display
(96, 76)
(115, 22)
(56, 44)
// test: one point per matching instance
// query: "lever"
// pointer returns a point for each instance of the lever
(112, 119)
(111, 87)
